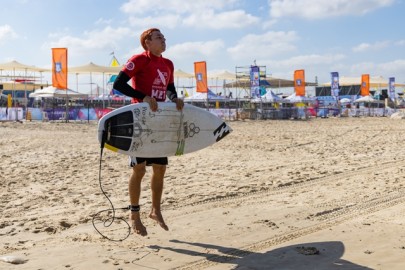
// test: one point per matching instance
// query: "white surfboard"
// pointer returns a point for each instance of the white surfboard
(137, 131)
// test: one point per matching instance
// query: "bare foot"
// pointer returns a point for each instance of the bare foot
(157, 216)
(136, 224)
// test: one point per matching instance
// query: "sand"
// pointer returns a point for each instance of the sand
(317, 194)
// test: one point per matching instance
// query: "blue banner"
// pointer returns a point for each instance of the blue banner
(334, 85)
(255, 81)
(391, 88)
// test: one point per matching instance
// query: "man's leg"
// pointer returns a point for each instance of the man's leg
(138, 171)
(157, 190)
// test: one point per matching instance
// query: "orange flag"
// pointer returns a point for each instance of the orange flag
(200, 71)
(299, 82)
(59, 68)
(365, 85)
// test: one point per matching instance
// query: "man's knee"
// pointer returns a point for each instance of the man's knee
(139, 169)
(159, 169)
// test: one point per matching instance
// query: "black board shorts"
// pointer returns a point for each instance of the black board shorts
(149, 161)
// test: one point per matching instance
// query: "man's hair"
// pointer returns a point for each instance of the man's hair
(147, 35)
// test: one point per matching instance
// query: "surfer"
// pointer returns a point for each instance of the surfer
(152, 80)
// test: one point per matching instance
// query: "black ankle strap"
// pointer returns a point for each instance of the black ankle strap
(134, 208)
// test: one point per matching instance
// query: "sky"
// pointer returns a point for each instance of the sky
(352, 37)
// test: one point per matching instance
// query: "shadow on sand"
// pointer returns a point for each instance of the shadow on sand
(316, 255)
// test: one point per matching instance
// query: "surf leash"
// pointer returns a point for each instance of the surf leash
(107, 222)
(180, 139)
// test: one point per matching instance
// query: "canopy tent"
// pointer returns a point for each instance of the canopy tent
(367, 99)
(14, 65)
(345, 100)
(53, 92)
(377, 81)
(93, 68)
(271, 82)
(224, 75)
(269, 97)
(205, 96)
(298, 99)
(178, 73)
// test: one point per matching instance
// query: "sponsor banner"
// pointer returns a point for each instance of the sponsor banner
(334, 86)
(391, 88)
(255, 81)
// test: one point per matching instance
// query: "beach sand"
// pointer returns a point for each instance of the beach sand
(317, 194)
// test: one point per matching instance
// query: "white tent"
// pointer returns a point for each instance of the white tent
(297, 99)
(53, 92)
(269, 97)
(367, 99)
(204, 96)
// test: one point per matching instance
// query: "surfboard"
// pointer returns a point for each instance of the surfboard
(137, 131)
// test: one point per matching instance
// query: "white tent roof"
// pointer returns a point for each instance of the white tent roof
(365, 99)
(296, 99)
(93, 68)
(376, 81)
(14, 65)
(203, 96)
(178, 73)
(224, 75)
(53, 92)
(269, 97)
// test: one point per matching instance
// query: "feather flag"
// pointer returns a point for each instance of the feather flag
(299, 82)
(391, 88)
(200, 71)
(59, 68)
(365, 85)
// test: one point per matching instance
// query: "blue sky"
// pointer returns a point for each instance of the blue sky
(352, 37)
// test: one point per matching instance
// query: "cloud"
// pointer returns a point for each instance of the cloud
(320, 9)
(389, 69)
(7, 32)
(264, 46)
(173, 6)
(168, 21)
(107, 38)
(199, 13)
(196, 51)
(363, 47)
(223, 20)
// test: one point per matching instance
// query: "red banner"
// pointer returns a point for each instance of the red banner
(365, 85)
(59, 68)
(200, 71)
(299, 82)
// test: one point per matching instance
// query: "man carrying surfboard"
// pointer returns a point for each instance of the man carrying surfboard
(152, 80)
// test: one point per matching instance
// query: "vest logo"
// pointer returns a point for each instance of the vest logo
(162, 78)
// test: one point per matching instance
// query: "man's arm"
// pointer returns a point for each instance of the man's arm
(121, 84)
(172, 95)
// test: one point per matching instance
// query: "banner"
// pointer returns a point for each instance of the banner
(299, 82)
(59, 68)
(334, 86)
(391, 88)
(200, 71)
(255, 82)
(365, 85)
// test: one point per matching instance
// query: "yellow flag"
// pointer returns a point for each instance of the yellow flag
(114, 62)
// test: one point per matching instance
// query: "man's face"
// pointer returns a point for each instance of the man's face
(157, 43)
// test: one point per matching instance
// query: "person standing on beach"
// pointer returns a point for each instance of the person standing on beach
(152, 81)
